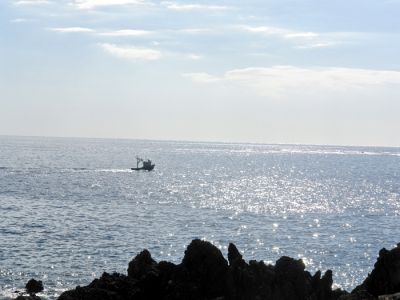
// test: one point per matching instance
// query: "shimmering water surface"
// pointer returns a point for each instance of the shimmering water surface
(71, 208)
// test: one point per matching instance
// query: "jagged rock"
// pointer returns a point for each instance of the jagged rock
(234, 256)
(204, 274)
(323, 286)
(33, 286)
(141, 265)
(31, 297)
(390, 297)
(358, 295)
(107, 287)
(385, 277)
(293, 281)
(206, 267)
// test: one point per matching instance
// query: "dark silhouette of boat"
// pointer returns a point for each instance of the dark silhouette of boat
(147, 165)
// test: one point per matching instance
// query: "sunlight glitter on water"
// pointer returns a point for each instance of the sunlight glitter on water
(68, 222)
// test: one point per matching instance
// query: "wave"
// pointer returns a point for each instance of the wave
(87, 170)
(114, 170)
(127, 170)
(338, 152)
(293, 151)
(62, 170)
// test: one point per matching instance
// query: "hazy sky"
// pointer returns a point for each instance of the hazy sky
(271, 71)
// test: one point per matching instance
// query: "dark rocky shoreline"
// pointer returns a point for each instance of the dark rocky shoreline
(204, 274)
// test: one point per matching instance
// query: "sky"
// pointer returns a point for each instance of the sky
(260, 71)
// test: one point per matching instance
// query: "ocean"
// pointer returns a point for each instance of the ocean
(71, 208)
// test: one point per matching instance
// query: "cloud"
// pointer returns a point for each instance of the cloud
(115, 33)
(126, 32)
(202, 77)
(32, 2)
(290, 79)
(301, 39)
(92, 4)
(193, 7)
(72, 29)
(266, 30)
(195, 30)
(131, 53)
(302, 35)
(194, 56)
(317, 45)
(20, 20)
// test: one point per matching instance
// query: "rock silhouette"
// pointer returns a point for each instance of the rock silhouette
(204, 274)
(32, 287)
(385, 277)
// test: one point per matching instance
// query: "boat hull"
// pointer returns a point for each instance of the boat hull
(150, 168)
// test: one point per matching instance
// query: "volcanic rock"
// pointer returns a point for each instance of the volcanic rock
(33, 286)
(204, 274)
(385, 277)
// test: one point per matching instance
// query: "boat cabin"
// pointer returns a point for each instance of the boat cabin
(146, 164)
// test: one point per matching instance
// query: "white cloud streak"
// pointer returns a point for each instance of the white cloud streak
(283, 79)
(110, 33)
(31, 2)
(92, 4)
(193, 6)
(126, 32)
(195, 30)
(202, 77)
(317, 45)
(20, 20)
(194, 56)
(72, 30)
(131, 53)
(301, 39)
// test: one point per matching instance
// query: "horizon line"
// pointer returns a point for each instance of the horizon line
(196, 141)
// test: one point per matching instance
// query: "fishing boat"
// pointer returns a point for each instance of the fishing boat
(142, 164)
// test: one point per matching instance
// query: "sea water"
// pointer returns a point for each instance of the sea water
(71, 208)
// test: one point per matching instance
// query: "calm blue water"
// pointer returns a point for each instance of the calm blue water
(71, 208)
